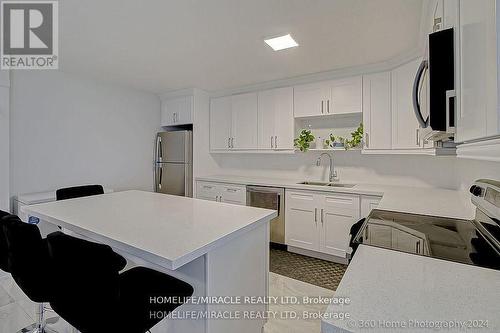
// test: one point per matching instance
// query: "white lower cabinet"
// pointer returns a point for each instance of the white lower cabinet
(221, 192)
(319, 221)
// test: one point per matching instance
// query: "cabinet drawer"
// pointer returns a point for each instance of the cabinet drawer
(233, 194)
(206, 190)
(347, 203)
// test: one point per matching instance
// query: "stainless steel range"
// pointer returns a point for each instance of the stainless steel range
(475, 242)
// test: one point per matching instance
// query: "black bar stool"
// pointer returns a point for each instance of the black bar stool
(4, 255)
(78, 192)
(29, 263)
(89, 275)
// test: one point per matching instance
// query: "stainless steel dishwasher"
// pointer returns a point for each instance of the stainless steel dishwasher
(270, 198)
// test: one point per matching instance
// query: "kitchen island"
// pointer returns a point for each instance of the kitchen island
(391, 291)
(220, 249)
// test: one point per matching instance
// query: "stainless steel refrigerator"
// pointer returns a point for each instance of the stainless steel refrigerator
(173, 172)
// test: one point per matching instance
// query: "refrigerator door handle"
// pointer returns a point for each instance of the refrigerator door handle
(160, 171)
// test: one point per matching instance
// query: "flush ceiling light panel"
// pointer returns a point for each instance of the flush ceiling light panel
(281, 42)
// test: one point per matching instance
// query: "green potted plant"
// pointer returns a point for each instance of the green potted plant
(354, 142)
(303, 142)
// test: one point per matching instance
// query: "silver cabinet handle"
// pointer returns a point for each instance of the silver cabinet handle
(272, 144)
(275, 141)
(367, 141)
(328, 106)
(417, 142)
(316, 216)
(232, 142)
(417, 247)
(207, 187)
(321, 106)
(231, 189)
(322, 216)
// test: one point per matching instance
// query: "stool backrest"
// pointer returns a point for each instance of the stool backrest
(28, 258)
(78, 192)
(4, 255)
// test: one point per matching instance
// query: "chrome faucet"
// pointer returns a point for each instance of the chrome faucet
(333, 174)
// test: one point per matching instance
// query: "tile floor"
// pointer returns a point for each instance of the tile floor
(17, 311)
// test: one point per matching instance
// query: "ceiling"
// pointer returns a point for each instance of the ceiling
(163, 45)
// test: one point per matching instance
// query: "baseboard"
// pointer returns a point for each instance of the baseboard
(278, 246)
(319, 255)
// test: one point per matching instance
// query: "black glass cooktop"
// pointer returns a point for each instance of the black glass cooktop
(444, 238)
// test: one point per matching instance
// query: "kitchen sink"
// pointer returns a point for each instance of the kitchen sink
(314, 183)
(341, 185)
(327, 184)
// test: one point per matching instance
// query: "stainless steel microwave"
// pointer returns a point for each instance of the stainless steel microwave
(439, 124)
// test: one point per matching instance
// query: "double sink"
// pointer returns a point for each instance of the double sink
(326, 184)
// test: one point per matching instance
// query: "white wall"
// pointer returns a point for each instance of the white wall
(67, 131)
(4, 140)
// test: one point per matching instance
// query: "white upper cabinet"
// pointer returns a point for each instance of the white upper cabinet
(330, 97)
(244, 121)
(405, 128)
(233, 122)
(345, 96)
(220, 123)
(478, 113)
(275, 117)
(177, 111)
(377, 110)
(310, 99)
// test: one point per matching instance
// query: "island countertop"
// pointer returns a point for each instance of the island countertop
(388, 289)
(169, 230)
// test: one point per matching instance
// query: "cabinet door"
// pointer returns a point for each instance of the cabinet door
(244, 121)
(338, 213)
(220, 123)
(477, 116)
(310, 99)
(377, 110)
(302, 220)
(346, 96)
(267, 119)
(405, 127)
(177, 111)
(276, 122)
(367, 204)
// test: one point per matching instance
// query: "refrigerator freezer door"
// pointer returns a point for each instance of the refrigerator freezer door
(171, 178)
(175, 147)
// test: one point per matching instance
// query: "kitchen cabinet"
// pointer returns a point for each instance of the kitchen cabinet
(221, 192)
(244, 121)
(337, 214)
(233, 122)
(301, 220)
(177, 111)
(477, 116)
(368, 203)
(275, 119)
(346, 96)
(405, 128)
(220, 123)
(377, 110)
(320, 221)
(340, 96)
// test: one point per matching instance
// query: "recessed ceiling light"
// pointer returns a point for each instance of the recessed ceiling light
(281, 43)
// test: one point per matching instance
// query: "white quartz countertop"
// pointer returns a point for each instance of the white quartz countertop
(387, 287)
(172, 230)
(408, 199)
